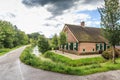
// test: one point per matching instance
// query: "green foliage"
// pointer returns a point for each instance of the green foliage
(55, 41)
(3, 51)
(6, 50)
(43, 44)
(108, 53)
(7, 34)
(10, 36)
(110, 21)
(62, 38)
(67, 61)
(37, 62)
(34, 61)
(28, 58)
(33, 38)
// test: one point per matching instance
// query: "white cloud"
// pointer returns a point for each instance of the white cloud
(71, 18)
(34, 19)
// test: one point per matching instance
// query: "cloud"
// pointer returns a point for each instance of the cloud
(92, 2)
(48, 16)
(58, 7)
(12, 15)
(7, 15)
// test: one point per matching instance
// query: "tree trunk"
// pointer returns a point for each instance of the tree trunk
(55, 49)
(63, 51)
(113, 48)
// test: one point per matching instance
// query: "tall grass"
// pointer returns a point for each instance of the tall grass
(30, 59)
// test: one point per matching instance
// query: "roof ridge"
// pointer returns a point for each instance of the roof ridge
(81, 26)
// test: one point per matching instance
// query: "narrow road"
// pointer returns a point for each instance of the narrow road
(12, 69)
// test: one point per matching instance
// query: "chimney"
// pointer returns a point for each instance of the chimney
(83, 24)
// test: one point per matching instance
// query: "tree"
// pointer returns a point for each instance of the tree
(34, 35)
(62, 39)
(11, 36)
(23, 38)
(33, 38)
(55, 41)
(20, 37)
(43, 44)
(110, 22)
(7, 34)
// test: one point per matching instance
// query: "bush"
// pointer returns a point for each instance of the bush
(43, 44)
(109, 55)
(28, 58)
(31, 59)
(34, 61)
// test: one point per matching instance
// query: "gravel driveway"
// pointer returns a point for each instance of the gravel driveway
(73, 56)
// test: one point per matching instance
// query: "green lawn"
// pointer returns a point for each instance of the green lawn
(67, 61)
(62, 65)
(6, 50)
(3, 51)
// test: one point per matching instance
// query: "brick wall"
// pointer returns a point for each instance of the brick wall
(88, 47)
(70, 37)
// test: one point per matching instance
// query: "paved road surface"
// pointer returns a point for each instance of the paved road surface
(12, 69)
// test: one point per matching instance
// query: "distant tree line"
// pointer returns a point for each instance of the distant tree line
(11, 36)
(33, 38)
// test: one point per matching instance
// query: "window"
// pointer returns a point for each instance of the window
(74, 46)
(68, 46)
(97, 47)
(83, 50)
(108, 47)
(101, 46)
(65, 47)
(93, 50)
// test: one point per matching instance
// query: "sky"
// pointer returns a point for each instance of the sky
(49, 16)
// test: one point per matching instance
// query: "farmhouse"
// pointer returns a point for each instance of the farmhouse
(82, 39)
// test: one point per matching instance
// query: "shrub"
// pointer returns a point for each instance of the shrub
(28, 58)
(43, 44)
(61, 67)
(109, 55)
(34, 61)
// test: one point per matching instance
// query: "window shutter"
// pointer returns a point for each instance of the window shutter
(104, 46)
(71, 46)
(67, 46)
(77, 46)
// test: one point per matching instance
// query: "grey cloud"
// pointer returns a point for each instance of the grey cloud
(91, 1)
(58, 6)
(54, 25)
(7, 15)
(11, 15)
(47, 24)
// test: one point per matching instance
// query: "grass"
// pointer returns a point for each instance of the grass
(67, 61)
(64, 67)
(6, 50)
(3, 51)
